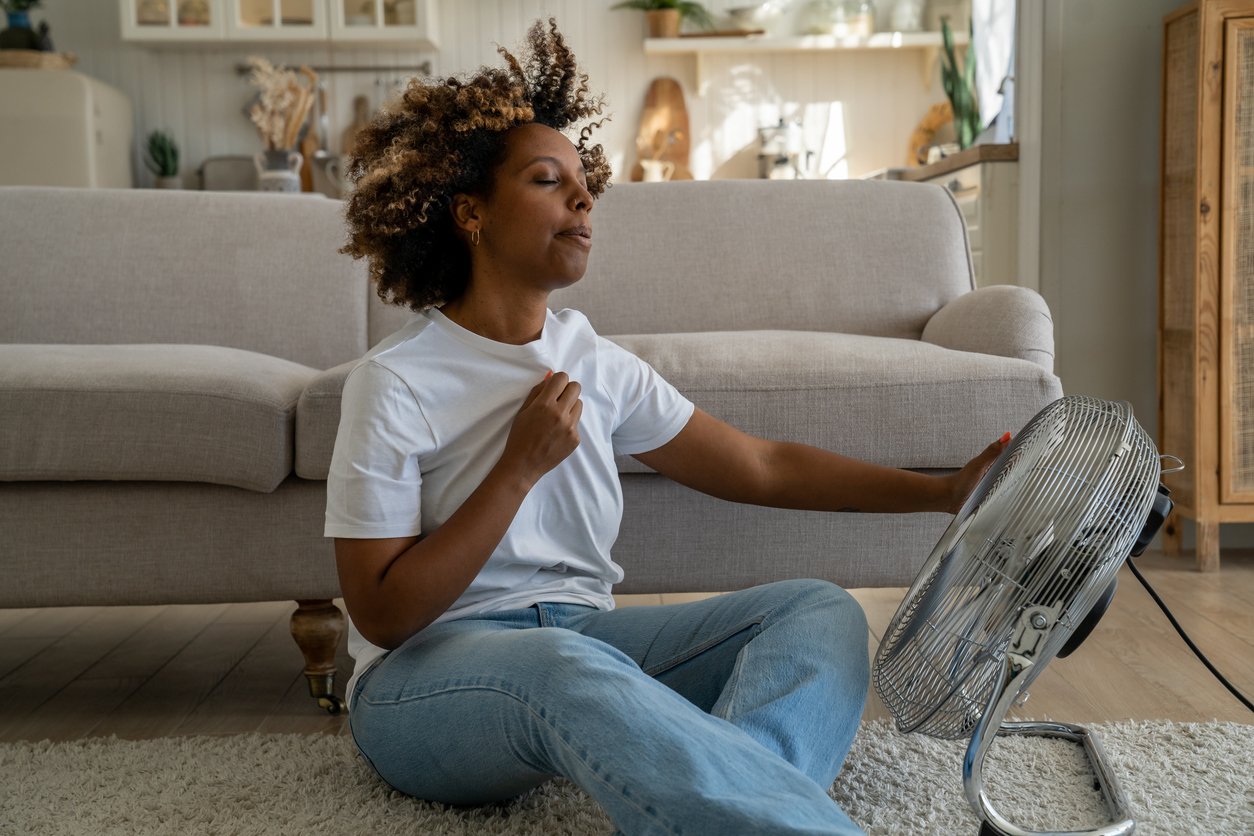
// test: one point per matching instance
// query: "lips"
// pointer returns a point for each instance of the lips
(583, 233)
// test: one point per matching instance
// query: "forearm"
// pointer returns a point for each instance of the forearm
(808, 478)
(428, 577)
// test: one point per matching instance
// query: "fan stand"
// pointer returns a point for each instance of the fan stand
(1034, 626)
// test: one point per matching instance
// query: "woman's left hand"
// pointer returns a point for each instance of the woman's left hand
(964, 481)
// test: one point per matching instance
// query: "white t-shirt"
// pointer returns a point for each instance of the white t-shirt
(425, 415)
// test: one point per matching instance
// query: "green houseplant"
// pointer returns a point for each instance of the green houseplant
(664, 16)
(162, 159)
(960, 88)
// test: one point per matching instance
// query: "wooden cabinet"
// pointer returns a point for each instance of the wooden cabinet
(410, 23)
(1206, 263)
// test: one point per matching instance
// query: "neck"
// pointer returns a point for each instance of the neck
(513, 319)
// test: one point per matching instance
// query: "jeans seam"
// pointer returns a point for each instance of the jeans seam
(561, 737)
(733, 679)
(697, 650)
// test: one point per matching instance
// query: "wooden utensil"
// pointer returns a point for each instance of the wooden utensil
(664, 133)
(310, 144)
(361, 118)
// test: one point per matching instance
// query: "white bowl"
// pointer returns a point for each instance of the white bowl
(749, 17)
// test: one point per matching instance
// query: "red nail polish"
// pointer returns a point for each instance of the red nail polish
(549, 374)
(1005, 438)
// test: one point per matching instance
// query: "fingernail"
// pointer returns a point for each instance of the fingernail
(1005, 438)
(548, 374)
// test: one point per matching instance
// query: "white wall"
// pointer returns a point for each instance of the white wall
(1100, 200)
(194, 93)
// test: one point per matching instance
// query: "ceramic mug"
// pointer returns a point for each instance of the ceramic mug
(657, 171)
(329, 172)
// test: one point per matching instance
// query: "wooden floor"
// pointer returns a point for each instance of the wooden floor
(142, 672)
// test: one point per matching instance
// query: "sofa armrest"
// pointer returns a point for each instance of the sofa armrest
(318, 421)
(1002, 320)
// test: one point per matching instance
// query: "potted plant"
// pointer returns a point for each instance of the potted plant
(279, 113)
(960, 88)
(19, 35)
(664, 16)
(162, 159)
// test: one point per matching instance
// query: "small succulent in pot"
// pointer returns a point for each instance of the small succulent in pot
(688, 10)
(162, 157)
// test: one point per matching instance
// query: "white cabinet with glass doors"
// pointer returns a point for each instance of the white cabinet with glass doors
(400, 22)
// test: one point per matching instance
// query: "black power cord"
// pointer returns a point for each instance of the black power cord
(1159, 601)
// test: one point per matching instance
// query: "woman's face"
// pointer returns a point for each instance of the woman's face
(535, 222)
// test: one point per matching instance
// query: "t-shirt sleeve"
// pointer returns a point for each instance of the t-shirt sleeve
(650, 411)
(374, 484)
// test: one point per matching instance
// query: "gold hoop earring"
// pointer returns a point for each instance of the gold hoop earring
(474, 237)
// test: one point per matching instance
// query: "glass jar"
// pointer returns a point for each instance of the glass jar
(818, 17)
(859, 18)
(907, 15)
(840, 18)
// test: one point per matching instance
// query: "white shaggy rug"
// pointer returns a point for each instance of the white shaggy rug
(1195, 778)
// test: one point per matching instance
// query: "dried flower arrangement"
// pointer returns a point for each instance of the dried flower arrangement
(284, 102)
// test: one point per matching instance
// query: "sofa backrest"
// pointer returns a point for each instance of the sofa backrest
(860, 257)
(260, 271)
(249, 270)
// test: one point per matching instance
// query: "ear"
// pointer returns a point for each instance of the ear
(468, 212)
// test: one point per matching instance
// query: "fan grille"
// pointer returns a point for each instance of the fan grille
(1049, 525)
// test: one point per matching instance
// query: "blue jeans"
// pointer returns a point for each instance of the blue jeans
(725, 716)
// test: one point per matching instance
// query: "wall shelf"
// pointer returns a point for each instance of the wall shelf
(768, 43)
(928, 44)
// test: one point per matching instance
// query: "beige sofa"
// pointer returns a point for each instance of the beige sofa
(171, 362)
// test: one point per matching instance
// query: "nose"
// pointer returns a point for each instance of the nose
(581, 198)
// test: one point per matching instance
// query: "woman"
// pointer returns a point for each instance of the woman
(474, 499)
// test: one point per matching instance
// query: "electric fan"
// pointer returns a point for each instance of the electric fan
(1022, 574)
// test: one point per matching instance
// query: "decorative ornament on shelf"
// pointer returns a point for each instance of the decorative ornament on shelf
(933, 136)
(960, 87)
(279, 113)
(19, 35)
(21, 45)
(665, 16)
(162, 159)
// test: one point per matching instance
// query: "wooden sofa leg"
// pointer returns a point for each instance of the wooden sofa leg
(318, 627)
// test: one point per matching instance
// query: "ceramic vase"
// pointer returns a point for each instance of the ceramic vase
(19, 35)
(278, 170)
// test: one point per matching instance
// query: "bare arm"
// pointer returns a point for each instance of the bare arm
(720, 460)
(394, 587)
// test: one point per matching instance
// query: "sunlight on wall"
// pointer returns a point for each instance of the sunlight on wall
(745, 99)
(857, 109)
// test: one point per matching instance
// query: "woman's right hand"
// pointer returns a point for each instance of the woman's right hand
(546, 429)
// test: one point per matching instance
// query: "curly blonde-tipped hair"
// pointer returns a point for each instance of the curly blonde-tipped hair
(445, 138)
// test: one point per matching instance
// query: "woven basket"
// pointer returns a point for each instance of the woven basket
(33, 59)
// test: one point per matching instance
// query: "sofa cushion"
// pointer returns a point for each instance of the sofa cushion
(897, 402)
(185, 413)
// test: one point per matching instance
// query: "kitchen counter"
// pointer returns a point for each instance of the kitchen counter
(1007, 152)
